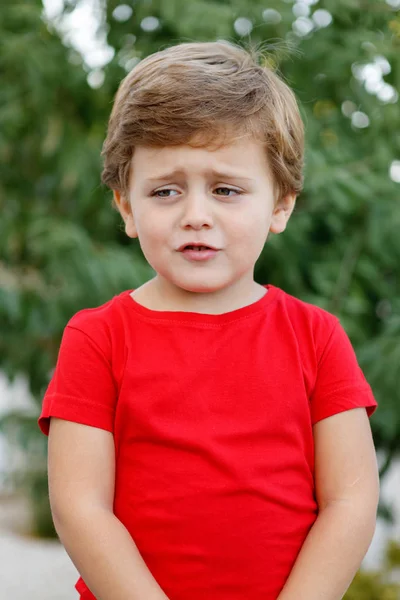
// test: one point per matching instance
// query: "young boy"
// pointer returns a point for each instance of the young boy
(209, 436)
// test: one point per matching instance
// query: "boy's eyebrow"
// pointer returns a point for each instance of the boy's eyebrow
(180, 172)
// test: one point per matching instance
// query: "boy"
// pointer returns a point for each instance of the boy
(209, 435)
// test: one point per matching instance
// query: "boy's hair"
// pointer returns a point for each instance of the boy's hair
(200, 94)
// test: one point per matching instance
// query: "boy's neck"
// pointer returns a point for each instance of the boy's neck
(155, 296)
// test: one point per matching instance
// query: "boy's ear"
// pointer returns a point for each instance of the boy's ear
(281, 213)
(125, 209)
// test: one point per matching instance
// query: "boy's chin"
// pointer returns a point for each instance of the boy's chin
(206, 285)
(200, 288)
(197, 284)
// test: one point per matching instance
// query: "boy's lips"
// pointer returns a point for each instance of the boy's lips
(195, 254)
(191, 245)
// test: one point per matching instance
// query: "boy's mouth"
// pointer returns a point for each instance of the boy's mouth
(198, 252)
(196, 246)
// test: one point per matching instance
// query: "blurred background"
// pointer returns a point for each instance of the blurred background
(62, 247)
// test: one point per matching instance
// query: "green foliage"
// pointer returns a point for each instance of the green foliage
(62, 247)
(371, 586)
(378, 585)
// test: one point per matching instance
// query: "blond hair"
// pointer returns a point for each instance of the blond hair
(209, 92)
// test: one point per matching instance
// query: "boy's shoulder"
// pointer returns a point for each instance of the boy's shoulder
(307, 315)
(101, 323)
(96, 314)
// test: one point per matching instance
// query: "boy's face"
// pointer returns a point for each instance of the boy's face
(222, 198)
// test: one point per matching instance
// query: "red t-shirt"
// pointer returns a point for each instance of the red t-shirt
(212, 419)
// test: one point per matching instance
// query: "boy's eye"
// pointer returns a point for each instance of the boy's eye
(226, 191)
(162, 193)
(223, 191)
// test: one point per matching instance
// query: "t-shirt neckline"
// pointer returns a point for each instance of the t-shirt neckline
(195, 317)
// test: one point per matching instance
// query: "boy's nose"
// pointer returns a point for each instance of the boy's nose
(197, 212)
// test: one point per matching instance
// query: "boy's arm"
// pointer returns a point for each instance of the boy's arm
(81, 486)
(347, 491)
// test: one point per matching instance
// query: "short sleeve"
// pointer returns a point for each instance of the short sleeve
(340, 383)
(82, 388)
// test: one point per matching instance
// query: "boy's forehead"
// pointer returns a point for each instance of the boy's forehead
(238, 157)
